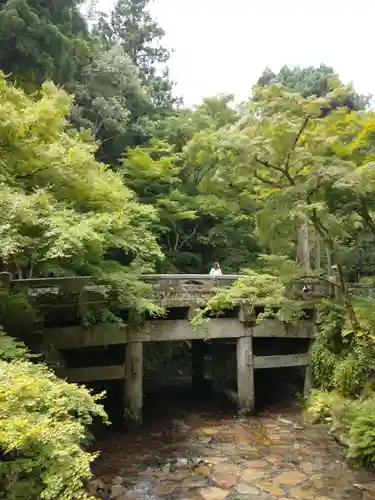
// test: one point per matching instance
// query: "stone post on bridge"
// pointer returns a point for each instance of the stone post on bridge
(134, 382)
(245, 366)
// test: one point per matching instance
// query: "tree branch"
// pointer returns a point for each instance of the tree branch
(266, 181)
(30, 174)
(364, 213)
(276, 168)
(187, 238)
(296, 139)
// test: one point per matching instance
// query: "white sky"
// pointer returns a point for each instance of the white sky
(224, 45)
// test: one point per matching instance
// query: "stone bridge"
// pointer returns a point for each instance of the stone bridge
(234, 332)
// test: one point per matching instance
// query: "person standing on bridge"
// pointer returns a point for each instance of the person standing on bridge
(216, 271)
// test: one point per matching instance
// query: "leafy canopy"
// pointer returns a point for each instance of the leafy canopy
(43, 41)
(61, 210)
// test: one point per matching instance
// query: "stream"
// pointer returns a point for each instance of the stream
(190, 450)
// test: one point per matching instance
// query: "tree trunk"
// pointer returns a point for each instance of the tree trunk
(303, 247)
(317, 251)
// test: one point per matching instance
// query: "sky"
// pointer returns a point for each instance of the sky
(222, 46)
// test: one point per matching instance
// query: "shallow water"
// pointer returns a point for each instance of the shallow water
(193, 451)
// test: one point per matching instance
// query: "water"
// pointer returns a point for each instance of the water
(191, 450)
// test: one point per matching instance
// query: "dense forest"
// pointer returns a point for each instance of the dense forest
(105, 172)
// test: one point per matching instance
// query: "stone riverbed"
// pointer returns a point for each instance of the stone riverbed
(208, 455)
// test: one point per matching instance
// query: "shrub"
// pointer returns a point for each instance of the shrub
(42, 429)
(362, 432)
(351, 420)
(323, 364)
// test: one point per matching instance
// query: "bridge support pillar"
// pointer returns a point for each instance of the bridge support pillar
(219, 357)
(134, 382)
(245, 375)
(197, 365)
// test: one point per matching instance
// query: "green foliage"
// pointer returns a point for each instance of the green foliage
(111, 102)
(362, 433)
(62, 211)
(351, 421)
(43, 424)
(42, 41)
(185, 187)
(323, 363)
(306, 81)
(131, 26)
(265, 290)
(310, 81)
(17, 316)
(343, 362)
(11, 349)
(201, 218)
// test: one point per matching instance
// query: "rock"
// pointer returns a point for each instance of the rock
(307, 467)
(164, 489)
(245, 489)
(182, 463)
(312, 417)
(147, 472)
(225, 479)
(291, 477)
(225, 467)
(368, 491)
(97, 488)
(202, 469)
(258, 464)
(212, 493)
(271, 488)
(284, 421)
(210, 431)
(303, 492)
(298, 427)
(179, 475)
(117, 480)
(249, 475)
(117, 491)
(194, 482)
(167, 468)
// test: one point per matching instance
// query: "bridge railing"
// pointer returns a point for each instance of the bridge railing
(185, 283)
(97, 291)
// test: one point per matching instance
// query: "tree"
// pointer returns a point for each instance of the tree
(310, 81)
(111, 102)
(294, 161)
(131, 26)
(181, 126)
(200, 221)
(61, 211)
(42, 41)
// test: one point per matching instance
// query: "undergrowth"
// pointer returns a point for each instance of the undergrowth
(343, 365)
(43, 429)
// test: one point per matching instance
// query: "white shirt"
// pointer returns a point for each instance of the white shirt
(216, 272)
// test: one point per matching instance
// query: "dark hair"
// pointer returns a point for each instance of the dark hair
(216, 265)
